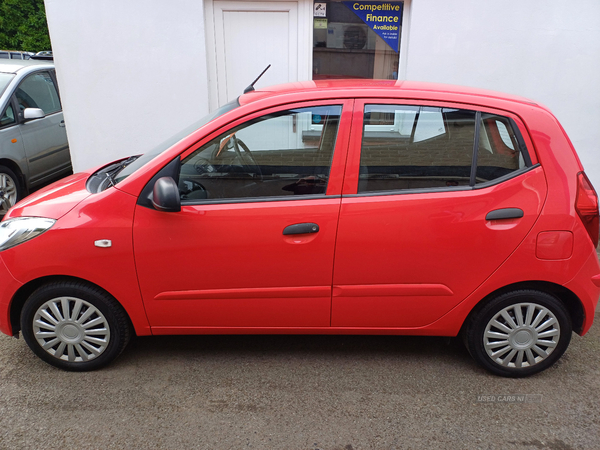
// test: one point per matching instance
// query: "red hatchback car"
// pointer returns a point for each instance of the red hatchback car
(339, 207)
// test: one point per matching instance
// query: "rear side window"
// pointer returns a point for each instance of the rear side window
(421, 147)
(497, 153)
(38, 91)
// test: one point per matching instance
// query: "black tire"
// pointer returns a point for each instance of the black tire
(11, 190)
(95, 332)
(491, 338)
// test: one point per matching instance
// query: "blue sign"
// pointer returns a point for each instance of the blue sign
(384, 18)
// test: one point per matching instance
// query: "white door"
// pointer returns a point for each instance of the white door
(244, 37)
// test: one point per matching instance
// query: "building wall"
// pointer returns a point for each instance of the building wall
(131, 73)
(546, 50)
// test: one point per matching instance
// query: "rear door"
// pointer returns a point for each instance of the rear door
(419, 228)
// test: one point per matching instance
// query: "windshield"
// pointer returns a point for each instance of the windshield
(139, 162)
(5, 78)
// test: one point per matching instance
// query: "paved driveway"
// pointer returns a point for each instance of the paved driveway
(299, 392)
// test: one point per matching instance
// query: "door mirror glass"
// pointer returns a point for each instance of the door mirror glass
(33, 113)
(165, 196)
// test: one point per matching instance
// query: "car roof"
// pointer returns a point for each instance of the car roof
(374, 88)
(16, 65)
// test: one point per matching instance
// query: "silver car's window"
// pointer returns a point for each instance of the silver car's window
(8, 117)
(38, 91)
(5, 79)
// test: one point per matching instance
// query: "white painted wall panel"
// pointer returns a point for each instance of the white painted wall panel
(131, 73)
(547, 50)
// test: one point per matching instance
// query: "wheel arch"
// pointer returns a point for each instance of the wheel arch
(27, 289)
(567, 298)
(17, 170)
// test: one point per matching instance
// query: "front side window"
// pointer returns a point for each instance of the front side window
(38, 91)
(284, 154)
(422, 147)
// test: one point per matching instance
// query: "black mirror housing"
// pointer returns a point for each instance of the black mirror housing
(165, 195)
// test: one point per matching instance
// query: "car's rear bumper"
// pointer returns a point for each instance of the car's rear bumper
(584, 286)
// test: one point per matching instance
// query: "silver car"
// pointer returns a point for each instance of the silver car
(33, 139)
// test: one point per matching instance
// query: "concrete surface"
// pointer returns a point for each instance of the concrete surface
(299, 392)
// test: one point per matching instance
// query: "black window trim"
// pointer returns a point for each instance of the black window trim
(487, 184)
(279, 198)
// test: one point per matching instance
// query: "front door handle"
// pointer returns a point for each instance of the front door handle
(301, 228)
(62, 123)
(505, 213)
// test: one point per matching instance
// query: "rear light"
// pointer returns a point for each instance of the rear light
(586, 205)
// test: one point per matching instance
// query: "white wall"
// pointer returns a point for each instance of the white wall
(131, 73)
(134, 72)
(546, 50)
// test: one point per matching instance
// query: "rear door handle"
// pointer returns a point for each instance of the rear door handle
(505, 213)
(301, 228)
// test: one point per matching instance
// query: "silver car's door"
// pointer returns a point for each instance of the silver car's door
(45, 139)
(11, 149)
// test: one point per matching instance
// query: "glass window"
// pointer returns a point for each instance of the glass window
(38, 91)
(284, 154)
(5, 79)
(424, 148)
(498, 153)
(356, 39)
(8, 117)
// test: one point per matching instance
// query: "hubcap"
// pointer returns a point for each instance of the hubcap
(71, 329)
(8, 193)
(521, 335)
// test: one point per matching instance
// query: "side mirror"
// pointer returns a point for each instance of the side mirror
(165, 195)
(33, 113)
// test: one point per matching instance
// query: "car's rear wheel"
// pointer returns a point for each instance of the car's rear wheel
(519, 333)
(10, 189)
(74, 326)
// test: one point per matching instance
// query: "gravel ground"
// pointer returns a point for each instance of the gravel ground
(299, 392)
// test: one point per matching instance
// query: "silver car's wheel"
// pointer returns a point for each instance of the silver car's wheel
(518, 333)
(74, 325)
(9, 189)
(521, 335)
(71, 329)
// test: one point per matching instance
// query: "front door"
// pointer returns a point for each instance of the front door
(254, 241)
(45, 139)
(425, 221)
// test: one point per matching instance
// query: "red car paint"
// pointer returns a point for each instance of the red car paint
(404, 263)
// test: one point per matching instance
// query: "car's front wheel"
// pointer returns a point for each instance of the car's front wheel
(519, 333)
(74, 326)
